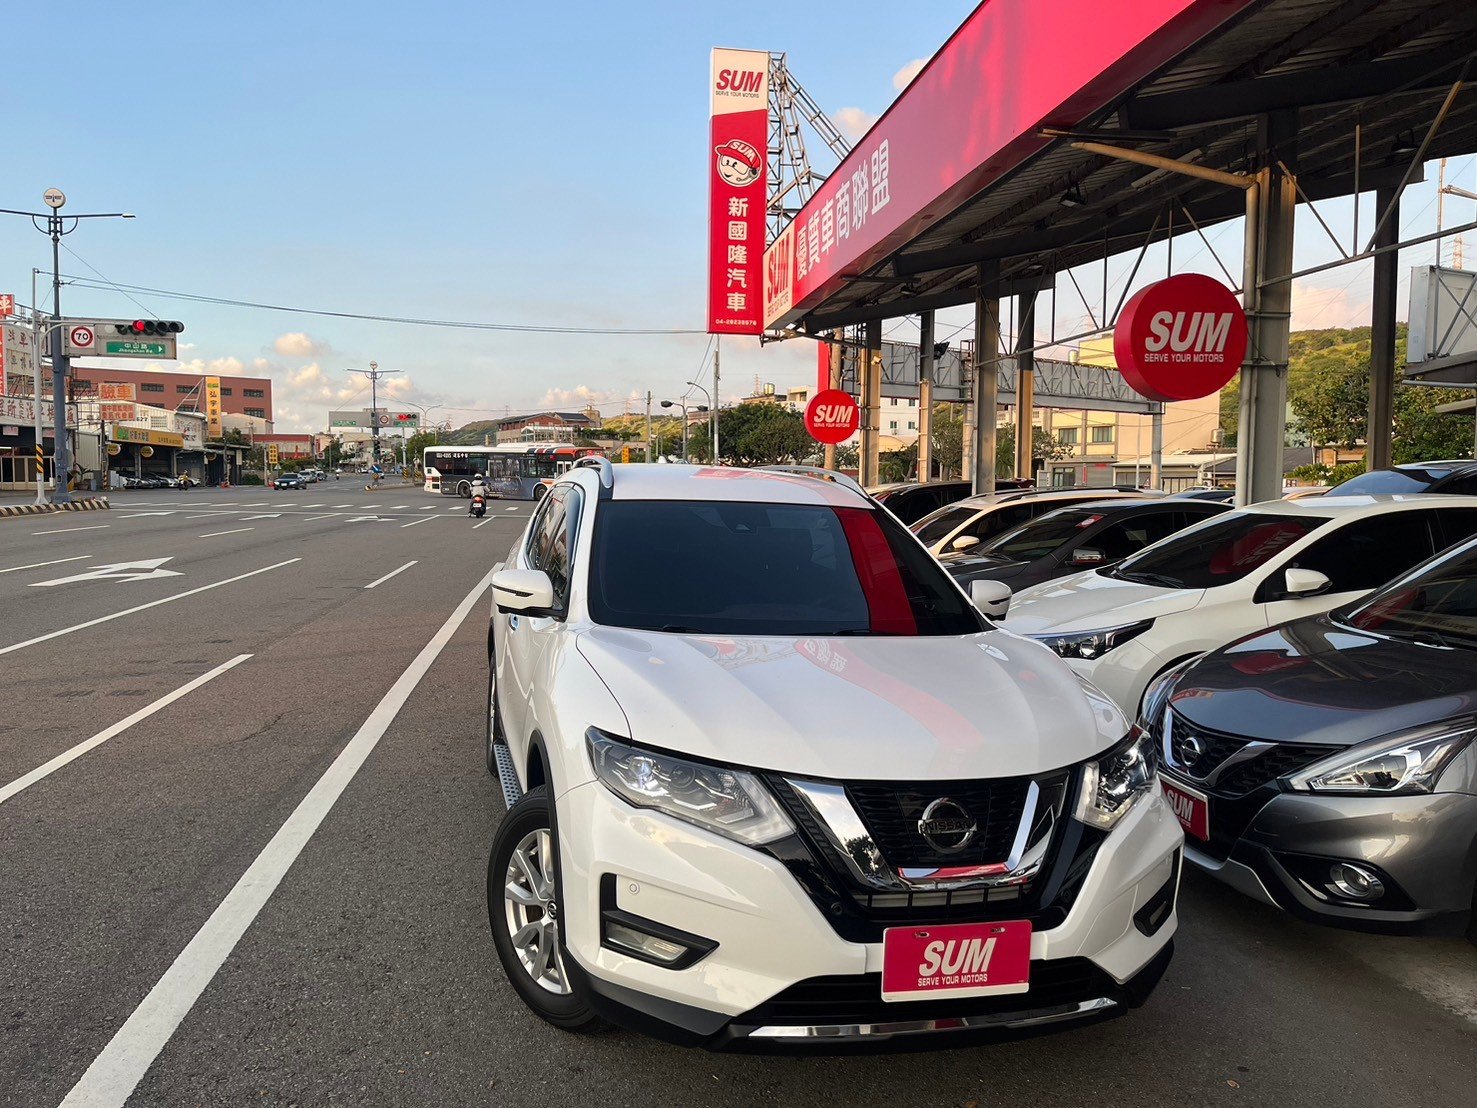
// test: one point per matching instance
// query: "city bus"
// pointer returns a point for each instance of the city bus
(513, 470)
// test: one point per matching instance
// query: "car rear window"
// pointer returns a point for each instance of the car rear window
(1436, 605)
(1390, 481)
(703, 567)
(1042, 535)
(1219, 552)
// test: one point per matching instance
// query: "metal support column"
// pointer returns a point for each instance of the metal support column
(870, 379)
(1156, 449)
(1025, 384)
(986, 385)
(1382, 338)
(835, 351)
(1270, 205)
(925, 397)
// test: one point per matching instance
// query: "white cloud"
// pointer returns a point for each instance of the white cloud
(1314, 307)
(853, 122)
(582, 396)
(904, 76)
(298, 344)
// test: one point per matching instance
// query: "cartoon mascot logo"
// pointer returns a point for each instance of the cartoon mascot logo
(738, 163)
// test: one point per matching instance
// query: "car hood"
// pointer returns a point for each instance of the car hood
(1317, 681)
(1090, 600)
(862, 708)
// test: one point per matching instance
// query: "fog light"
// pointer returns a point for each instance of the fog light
(649, 947)
(1354, 882)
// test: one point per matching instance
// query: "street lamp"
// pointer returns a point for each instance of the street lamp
(56, 227)
(683, 405)
(712, 423)
(374, 373)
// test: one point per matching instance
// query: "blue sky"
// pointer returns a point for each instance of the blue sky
(516, 163)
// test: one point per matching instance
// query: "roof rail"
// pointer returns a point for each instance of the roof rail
(601, 463)
(818, 474)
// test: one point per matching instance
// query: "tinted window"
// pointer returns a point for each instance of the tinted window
(933, 528)
(1129, 536)
(1390, 480)
(1219, 552)
(1455, 525)
(1437, 604)
(1002, 519)
(1042, 535)
(1461, 486)
(767, 569)
(1369, 552)
(545, 525)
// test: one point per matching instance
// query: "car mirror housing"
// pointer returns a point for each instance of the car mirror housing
(964, 542)
(529, 591)
(992, 598)
(1305, 582)
(1088, 556)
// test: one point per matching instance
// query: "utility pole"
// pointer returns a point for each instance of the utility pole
(717, 350)
(374, 373)
(36, 381)
(648, 426)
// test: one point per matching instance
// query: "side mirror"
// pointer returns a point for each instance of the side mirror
(1088, 556)
(964, 542)
(1305, 582)
(992, 598)
(523, 590)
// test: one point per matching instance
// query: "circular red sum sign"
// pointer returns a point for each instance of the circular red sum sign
(1180, 338)
(832, 416)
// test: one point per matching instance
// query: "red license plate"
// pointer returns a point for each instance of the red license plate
(966, 959)
(1192, 809)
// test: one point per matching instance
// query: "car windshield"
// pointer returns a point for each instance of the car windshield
(1390, 481)
(1041, 536)
(931, 528)
(718, 568)
(1219, 552)
(1437, 604)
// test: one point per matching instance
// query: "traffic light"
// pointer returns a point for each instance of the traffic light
(150, 327)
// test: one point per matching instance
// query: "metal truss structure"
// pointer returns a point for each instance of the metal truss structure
(792, 178)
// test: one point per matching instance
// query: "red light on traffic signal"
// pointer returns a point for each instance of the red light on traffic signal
(139, 327)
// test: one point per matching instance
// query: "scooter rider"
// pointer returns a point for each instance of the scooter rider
(479, 488)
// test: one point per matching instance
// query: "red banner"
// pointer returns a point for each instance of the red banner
(970, 117)
(738, 176)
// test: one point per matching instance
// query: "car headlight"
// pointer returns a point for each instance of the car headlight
(729, 802)
(1093, 644)
(1400, 765)
(1112, 783)
(1156, 696)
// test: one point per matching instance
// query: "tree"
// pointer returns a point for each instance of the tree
(948, 439)
(1044, 446)
(415, 446)
(755, 435)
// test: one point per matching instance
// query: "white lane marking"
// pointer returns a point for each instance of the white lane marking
(116, 1072)
(514, 508)
(369, 519)
(340, 505)
(396, 507)
(484, 523)
(46, 769)
(53, 562)
(330, 515)
(142, 607)
(428, 508)
(223, 503)
(233, 531)
(268, 515)
(206, 515)
(146, 570)
(137, 515)
(392, 573)
(413, 522)
(68, 530)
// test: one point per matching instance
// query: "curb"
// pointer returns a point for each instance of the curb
(89, 504)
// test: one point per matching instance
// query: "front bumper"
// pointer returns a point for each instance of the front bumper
(780, 974)
(1277, 847)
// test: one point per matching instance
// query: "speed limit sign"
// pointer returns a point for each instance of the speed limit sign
(81, 337)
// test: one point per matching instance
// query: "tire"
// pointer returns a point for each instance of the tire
(525, 896)
(538, 492)
(464, 490)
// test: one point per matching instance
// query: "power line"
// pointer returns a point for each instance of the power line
(414, 321)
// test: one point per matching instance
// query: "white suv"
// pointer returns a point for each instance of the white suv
(772, 778)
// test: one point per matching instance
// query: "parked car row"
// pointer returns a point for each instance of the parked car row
(159, 481)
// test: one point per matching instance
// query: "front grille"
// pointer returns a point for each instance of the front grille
(891, 812)
(1265, 768)
(858, 998)
(1215, 748)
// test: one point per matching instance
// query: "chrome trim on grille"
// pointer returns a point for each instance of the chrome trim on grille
(850, 838)
(1001, 1021)
(1252, 749)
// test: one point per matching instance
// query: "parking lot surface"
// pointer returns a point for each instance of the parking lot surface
(270, 888)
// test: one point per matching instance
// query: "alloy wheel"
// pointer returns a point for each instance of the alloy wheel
(532, 913)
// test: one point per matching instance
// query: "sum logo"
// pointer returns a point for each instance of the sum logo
(1181, 332)
(740, 80)
(954, 958)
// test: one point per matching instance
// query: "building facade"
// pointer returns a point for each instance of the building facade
(249, 397)
(547, 427)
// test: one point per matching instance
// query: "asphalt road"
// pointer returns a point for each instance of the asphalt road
(363, 974)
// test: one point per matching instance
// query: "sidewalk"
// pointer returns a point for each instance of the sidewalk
(16, 503)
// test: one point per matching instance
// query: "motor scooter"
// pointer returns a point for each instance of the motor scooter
(479, 505)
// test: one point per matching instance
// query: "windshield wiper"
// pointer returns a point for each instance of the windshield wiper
(1151, 579)
(679, 629)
